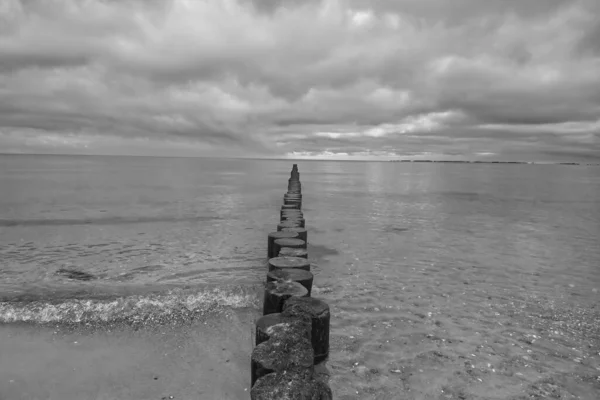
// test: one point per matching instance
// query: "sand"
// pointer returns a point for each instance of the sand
(509, 350)
(206, 359)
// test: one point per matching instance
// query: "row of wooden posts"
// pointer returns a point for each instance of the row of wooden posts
(292, 336)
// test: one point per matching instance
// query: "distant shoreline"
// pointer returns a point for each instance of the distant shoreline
(306, 159)
(492, 162)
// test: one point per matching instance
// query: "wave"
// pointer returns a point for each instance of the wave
(101, 221)
(176, 305)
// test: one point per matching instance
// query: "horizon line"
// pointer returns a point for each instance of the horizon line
(283, 158)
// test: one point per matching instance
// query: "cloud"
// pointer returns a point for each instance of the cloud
(466, 78)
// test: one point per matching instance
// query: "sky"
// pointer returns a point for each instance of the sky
(334, 79)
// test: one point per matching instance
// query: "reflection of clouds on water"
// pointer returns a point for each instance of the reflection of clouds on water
(397, 196)
(379, 204)
(337, 175)
(375, 177)
(331, 168)
(227, 204)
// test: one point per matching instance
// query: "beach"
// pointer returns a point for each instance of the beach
(204, 360)
(140, 277)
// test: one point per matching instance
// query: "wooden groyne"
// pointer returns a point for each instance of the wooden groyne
(292, 336)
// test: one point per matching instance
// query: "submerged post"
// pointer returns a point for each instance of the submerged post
(293, 335)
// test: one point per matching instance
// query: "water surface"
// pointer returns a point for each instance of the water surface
(465, 281)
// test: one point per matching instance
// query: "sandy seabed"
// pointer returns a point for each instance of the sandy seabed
(206, 359)
(507, 350)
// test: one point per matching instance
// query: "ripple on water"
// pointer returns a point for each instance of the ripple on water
(444, 281)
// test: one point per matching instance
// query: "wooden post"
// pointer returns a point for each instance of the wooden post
(289, 252)
(276, 293)
(293, 333)
(288, 262)
(303, 277)
(277, 235)
(288, 242)
(319, 311)
(302, 232)
(288, 224)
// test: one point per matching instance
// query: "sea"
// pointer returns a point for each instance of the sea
(141, 277)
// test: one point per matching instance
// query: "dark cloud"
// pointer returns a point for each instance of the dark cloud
(15, 60)
(270, 7)
(271, 77)
(589, 44)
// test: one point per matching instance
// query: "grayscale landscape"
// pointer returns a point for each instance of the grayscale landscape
(449, 154)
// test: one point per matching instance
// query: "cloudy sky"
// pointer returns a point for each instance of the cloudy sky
(474, 79)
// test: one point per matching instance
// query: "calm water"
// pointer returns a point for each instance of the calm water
(438, 275)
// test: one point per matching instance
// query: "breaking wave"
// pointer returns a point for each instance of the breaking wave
(174, 305)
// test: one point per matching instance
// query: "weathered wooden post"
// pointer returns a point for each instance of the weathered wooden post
(293, 334)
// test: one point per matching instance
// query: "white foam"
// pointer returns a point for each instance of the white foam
(132, 307)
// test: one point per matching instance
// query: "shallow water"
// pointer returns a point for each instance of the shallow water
(446, 281)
